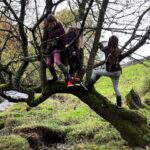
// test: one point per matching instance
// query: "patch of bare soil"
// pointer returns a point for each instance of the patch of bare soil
(42, 138)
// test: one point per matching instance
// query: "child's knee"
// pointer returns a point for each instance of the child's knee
(48, 62)
(57, 59)
(58, 62)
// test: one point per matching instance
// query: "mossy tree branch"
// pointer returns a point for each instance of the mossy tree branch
(131, 124)
(4, 87)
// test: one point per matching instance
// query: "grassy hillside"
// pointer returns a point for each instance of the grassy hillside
(79, 126)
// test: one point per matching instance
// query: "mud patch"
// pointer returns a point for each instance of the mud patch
(42, 136)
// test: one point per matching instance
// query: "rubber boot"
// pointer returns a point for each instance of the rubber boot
(119, 101)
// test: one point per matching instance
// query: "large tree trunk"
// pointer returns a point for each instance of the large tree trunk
(96, 39)
(131, 124)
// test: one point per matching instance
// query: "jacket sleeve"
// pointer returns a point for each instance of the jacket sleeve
(104, 49)
(61, 34)
(119, 57)
(101, 46)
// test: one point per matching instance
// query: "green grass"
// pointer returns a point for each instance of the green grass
(85, 129)
(13, 142)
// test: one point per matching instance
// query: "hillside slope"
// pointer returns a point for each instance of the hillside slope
(68, 121)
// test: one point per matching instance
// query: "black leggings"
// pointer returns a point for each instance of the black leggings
(74, 64)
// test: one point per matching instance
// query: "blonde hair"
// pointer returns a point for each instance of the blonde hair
(79, 41)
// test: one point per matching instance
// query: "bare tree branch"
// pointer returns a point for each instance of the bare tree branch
(138, 45)
(135, 29)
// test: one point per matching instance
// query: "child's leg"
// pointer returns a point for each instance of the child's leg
(78, 63)
(74, 63)
(50, 64)
(115, 81)
(71, 69)
(53, 73)
(101, 72)
(49, 61)
(57, 61)
(96, 74)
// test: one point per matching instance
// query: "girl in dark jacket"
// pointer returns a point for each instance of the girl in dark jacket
(113, 68)
(74, 52)
(56, 41)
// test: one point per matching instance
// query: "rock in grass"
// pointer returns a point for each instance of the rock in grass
(133, 100)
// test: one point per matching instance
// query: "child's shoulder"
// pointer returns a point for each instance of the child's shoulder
(59, 25)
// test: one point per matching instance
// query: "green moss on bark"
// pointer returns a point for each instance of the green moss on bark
(3, 86)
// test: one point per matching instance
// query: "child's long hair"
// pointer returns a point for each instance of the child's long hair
(113, 45)
(113, 42)
(50, 19)
(79, 41)
(112, 60)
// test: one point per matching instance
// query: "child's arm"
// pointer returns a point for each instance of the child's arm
(61, 34)
(101, 46)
